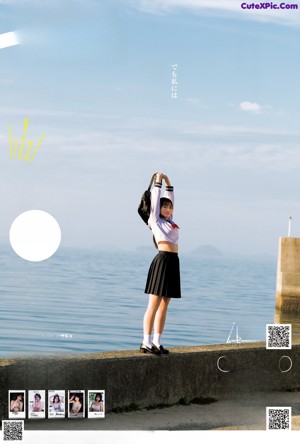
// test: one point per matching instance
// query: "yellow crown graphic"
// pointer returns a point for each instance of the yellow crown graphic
(23, 153)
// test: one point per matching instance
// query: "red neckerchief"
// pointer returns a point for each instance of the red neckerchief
(173, 225)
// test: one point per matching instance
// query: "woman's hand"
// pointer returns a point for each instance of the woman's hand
(159, 177)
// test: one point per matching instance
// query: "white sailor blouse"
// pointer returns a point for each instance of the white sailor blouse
(162, 229)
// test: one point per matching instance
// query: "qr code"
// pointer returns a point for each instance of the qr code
(12, 430)
(279, 336)
(279, 418)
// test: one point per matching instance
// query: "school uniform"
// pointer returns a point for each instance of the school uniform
(164, 272)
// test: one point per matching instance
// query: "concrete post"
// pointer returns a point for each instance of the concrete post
(288, 275)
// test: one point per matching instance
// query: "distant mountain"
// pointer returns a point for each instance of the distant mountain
(207, 250)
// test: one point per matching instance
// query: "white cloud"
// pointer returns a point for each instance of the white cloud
(250, 106)
(140, 141)
(47, 113)
(195, 102)
(166, 5)
(232, 7)
(191, 145)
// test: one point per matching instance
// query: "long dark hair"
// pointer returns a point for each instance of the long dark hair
(154, 241)
(99, 395)
(56, 396)
(163, 200)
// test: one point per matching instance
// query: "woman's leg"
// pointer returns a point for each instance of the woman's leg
(160, 320)
(153, 304)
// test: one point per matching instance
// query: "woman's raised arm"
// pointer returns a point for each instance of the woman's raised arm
(167, 180)
(169, 192)
(155, 198)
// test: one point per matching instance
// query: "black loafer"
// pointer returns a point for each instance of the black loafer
(161, 349)
(145, 349)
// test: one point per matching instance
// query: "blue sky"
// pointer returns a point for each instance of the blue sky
(96, 77)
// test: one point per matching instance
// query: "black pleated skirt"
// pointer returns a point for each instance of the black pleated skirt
(164, 276)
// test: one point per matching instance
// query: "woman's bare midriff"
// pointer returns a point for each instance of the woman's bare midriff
(167, 246)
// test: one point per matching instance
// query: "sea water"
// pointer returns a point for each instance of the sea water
(82, 301)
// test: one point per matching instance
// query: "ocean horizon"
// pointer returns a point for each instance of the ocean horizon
(88, 301)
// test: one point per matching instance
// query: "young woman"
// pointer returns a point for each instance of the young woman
(16, 405)
(37, 405)
(163, 282)
(75, 404)
(97, 404)
(55, 402)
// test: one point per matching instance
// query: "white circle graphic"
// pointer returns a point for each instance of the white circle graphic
(218, 364)
(35, 235)
(291, 363)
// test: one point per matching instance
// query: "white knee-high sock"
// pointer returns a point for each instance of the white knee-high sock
(147, 340)
(156, 339)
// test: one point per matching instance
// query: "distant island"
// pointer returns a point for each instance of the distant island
(207, 250)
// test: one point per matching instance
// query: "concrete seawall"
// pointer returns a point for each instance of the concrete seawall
(131, 378)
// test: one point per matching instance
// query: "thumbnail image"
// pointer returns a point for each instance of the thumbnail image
(36, 404)
(76, 404)
(56, 404)
(96, 407)
(16, 404)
